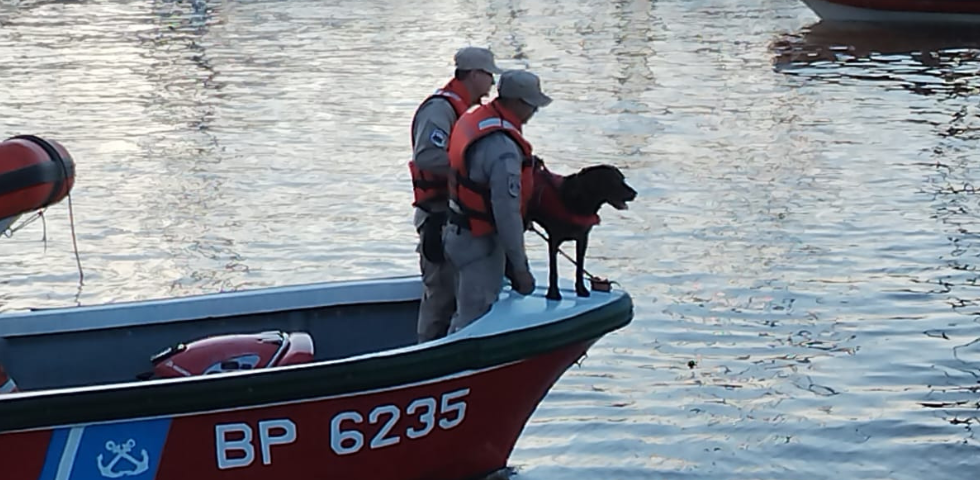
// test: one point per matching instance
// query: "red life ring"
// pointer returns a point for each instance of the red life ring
(34, 173)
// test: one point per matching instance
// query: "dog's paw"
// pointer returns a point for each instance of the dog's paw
(553, 294)
(581, 291)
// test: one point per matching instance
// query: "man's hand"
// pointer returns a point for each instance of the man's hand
(523, 282)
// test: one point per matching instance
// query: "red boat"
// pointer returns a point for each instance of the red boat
(302, 382)
(34, 173)
(900, 11)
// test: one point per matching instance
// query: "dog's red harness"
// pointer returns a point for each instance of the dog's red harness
(546, 201)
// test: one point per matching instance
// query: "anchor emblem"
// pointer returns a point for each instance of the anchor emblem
(121, 452)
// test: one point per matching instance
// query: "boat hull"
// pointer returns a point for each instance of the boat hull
(373, 403)
(898, 11)
(459, 426)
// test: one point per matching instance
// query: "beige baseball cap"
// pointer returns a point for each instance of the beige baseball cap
(476, 58)
(523, 85)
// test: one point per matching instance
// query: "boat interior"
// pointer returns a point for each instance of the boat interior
(104, 354)
(262, 328)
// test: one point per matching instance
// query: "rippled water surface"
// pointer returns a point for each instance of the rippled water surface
(802, 254)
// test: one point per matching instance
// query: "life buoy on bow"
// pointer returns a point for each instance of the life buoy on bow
(7, 384)
(34, 173)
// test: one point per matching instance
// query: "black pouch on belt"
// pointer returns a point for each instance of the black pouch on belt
(431, 234)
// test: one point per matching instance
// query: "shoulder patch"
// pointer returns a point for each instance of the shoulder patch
(514, 185)
(438, 137)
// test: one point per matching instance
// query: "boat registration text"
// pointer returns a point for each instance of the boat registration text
(238, 444)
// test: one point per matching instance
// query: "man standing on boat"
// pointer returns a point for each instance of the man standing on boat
(431, 126)
(489, 188)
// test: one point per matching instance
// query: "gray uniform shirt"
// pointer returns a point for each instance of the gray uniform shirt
(496, 159)
(433, 124)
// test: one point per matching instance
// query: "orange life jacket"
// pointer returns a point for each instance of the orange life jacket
(7, 384)
(427, 187)
(472, 198)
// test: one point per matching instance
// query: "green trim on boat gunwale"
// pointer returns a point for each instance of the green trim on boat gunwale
(263, 387)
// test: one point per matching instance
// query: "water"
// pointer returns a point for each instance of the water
(802, 253)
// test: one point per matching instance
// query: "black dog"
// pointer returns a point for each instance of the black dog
(567, 208)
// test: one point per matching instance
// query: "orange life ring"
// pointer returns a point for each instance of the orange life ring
(7, 384)
(34, 173)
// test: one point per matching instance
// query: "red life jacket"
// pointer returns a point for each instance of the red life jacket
(427, 187)
(546, 202)
(473, 198)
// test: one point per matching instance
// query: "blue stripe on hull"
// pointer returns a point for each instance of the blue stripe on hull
(55, 446)
(129, 450)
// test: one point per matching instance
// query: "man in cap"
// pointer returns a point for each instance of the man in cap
(431, 125)
(490, 186)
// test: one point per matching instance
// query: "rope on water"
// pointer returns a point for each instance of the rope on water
(44, 235)
(74, 241)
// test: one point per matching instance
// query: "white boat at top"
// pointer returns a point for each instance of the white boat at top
(962, 12)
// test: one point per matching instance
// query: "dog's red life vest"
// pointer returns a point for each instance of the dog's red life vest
(547, 203)
(427, 187)
(474, 198)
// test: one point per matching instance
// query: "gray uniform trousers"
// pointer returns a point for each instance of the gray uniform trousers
(479, 264)
(438, 293)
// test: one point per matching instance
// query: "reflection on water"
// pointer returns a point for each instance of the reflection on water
(924, 61)
(940, 64)
(186, 90)
(801, 253)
